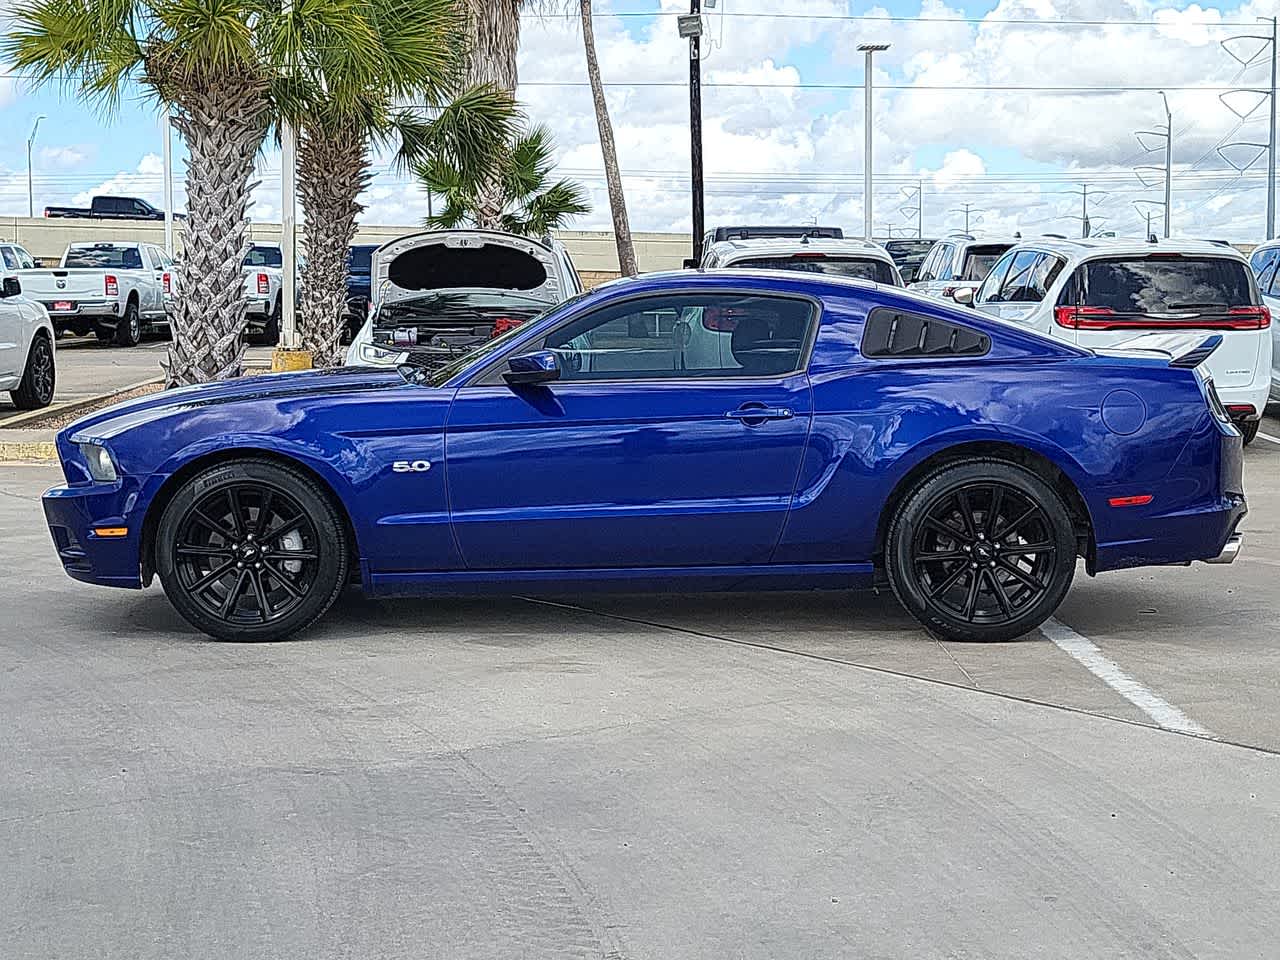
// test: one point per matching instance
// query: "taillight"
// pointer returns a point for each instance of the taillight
(719, 320)
(502, 325)
(808, 256)
(1104, 318)
(1245, 410)
(168, 283)
(264, 283)
(113, 286)
(1250, 318)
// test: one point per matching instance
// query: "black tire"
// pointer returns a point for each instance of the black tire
(270, 335)
(38, 379)
(982, 550)
(105, 335)
(129, 329)
(226, 551)
(1248, 430)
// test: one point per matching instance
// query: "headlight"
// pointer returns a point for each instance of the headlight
(99, 460)
(378, 354)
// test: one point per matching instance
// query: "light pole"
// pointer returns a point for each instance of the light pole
(167, 153)
(870, 49)
(691, 28)
(1168, 163)
(31, 142)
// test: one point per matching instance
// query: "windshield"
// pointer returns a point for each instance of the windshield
(858, 268)
(101, 257)
(902, 249)
(979, 260)
(1162, 284)
(264, 257)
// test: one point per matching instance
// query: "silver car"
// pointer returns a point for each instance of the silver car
(957, 262)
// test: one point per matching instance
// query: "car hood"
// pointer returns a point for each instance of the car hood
(111, 421)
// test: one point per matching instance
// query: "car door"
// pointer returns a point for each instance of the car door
(640, 455)
(11, 321)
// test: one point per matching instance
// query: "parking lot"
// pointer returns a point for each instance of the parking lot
(781, 775)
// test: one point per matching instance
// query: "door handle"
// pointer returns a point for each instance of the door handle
(759, 413)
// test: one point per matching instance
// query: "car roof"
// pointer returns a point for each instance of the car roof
(779, 246)
(968, 239)
(1093, 247)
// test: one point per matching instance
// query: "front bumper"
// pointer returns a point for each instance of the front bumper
(73, 511)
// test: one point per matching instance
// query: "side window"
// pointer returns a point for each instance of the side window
(989, 291)
(137, 206)
(891, 334)
(1262, 259)
(1045, 274)
(1267, 279)
(25, 260)
(680, 336)
(925, 272)
(10, 258)
(1017, 285)
(942, 268)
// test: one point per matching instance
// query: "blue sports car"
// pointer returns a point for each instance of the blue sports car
(720, 431)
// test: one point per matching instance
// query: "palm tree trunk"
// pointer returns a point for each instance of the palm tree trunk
(223, 126)
(612, 175)
(494, 32)
(333, 168)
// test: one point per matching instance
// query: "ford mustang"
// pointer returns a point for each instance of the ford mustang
(719, 431)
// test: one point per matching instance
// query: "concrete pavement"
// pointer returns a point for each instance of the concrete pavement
(795, 775)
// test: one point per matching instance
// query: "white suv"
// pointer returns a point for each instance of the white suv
(857, 259)
(1107, 292)
(958, 262)
(1265, 261)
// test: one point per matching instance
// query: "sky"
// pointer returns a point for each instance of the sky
(783, 117)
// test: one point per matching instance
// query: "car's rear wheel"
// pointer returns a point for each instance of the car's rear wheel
(36, 388)
(251, 550)
(129, 329)
(981, 550)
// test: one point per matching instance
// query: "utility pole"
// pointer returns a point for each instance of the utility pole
(870, 49)
(167, 143)
(691, 27)
(1084, 210)
(1168, 164)
(920, 209)
(1268, 45)
(31, 142)
(966, 208)
(1271, 142)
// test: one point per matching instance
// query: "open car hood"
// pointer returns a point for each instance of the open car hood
(449, 260)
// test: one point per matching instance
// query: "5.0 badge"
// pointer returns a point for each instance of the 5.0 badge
(411, 466)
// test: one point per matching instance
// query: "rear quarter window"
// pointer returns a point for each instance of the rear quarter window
(893, 334)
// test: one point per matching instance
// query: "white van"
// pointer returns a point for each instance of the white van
(1106, 292)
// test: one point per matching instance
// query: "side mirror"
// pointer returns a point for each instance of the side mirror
(12, 288)
(963, 296)
(541, 366)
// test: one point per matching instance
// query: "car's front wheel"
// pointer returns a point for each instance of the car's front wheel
(982, 550)
(251, 550)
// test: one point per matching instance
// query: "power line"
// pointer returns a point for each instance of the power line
(887, 18)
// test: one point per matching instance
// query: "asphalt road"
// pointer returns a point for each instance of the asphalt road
(786, 775)
(87, 368)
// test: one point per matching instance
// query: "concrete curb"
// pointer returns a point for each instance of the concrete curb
(28, 451)
(70, 406)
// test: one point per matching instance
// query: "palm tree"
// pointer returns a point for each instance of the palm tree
(612, 173)
(346, 100)
(529, 203)
(204, 59)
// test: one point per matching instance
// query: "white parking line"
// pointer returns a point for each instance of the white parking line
(1264, 436)
(1086, 652)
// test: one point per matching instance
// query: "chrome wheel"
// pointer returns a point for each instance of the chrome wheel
(246, 554)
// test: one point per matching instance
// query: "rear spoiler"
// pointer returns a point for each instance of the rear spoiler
(1184, 350)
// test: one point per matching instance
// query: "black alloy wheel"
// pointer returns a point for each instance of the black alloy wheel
(38, 380)
(982, 552)
(129, 329)
(251, 550)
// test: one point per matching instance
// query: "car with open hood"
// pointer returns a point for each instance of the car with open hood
(851, 434)
(436, 295)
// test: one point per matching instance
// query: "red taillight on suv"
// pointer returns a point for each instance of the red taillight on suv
(112, 285)
(168, 283)
(1104, 318)
(264, 283)
(719, 319)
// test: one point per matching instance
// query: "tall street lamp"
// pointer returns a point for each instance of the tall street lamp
(870, 49)
(31, 142)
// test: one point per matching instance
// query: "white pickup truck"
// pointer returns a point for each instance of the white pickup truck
(262, 279)
(117, 291)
